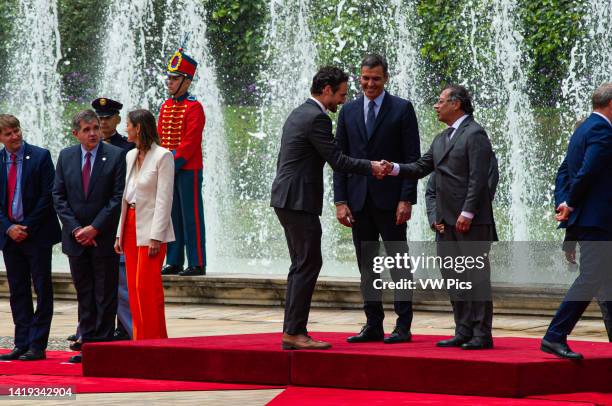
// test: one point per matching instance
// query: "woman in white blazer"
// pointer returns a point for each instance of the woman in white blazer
(145, 225)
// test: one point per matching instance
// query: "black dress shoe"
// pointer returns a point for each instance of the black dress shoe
(171, 270)
(13, 355)
(120, 335)
(399, 335)
(76, 345)
(76, 359)
(367, 334)
(72, 337)
(33, 355)
(478, 343)
(193, 271)
(561, 350)
(456, 341)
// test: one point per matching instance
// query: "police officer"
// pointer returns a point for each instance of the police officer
(180, 127)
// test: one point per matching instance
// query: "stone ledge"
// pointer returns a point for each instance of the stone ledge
(269, 290)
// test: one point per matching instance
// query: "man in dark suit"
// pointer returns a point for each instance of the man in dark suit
(88, 188)
(460, 158)
(297, 195)
(377, 126)
(28, 230)
(108, 113)
(583, 196)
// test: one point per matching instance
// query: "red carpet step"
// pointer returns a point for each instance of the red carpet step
(515, 368)
(297, 396)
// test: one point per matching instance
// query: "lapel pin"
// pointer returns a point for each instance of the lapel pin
(104, 158)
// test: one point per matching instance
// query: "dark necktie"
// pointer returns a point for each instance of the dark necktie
(371, 118)
(86, 173)
(12, 185)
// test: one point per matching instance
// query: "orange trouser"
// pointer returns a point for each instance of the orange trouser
(144, 282)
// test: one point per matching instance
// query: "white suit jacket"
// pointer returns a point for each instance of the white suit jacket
(154, 192)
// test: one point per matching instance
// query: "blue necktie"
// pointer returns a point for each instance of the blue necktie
(371, 118)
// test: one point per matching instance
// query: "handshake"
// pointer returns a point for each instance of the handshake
(380, 169)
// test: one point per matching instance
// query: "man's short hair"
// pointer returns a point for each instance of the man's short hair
(85, 115)
(328, 75)
(602, 96)
(9, 121)
(373, 60)
(461, 94)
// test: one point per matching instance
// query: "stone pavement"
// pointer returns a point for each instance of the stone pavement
(200, 320)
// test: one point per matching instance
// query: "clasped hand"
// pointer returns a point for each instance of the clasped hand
(86, 236)
(380, 169)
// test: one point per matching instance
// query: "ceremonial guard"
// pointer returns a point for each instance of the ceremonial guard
(180, 127)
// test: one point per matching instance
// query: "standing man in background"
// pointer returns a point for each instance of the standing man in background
(87, 194)
(377, 126)
(28, 231)
(108, 113)
(180, 127)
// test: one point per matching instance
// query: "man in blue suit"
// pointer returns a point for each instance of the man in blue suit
(583, 196)
(377, 126)
(28, 230)
(87, 195)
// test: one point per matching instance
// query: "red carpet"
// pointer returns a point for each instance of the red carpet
(55, 364)
(515, 368)
(116, 385)
(56, 371)
(296, 396)
(594, 397)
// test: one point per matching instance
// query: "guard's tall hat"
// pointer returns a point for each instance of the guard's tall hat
(182, 64)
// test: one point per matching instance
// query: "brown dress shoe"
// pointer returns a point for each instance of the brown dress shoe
(302, 342)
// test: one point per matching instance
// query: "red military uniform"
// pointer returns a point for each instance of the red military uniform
(180, 127)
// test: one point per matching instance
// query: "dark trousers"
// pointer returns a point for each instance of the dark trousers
(188, 220)
(472, 308)
(303, 234)
(27, 264)
(124, 315)
(370, 224)
(595, 279)
(96, 282)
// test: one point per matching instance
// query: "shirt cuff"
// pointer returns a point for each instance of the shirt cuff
(467, 214)
(9, 229)
(340, 202)
(396, 170)
(565, 204)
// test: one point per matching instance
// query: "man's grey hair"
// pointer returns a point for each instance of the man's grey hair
(85, 115)
(602, 96)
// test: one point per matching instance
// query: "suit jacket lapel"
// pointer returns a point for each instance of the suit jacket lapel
(458, 132)
(3, 178)
(382, 112)
(25, 166)
(97, 167)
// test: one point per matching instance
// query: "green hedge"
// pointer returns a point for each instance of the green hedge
(236, 29)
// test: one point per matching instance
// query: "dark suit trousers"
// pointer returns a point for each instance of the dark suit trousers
(26, 263)
(370, 223)
(95, 280)
(473, 308)
(595, 279)
(303, 234)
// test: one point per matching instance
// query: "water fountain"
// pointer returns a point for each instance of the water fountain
(125, 54)
(590, 59)
(290, 59)
(34, 90)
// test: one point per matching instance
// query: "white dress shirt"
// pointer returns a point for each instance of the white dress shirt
(320, 104)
